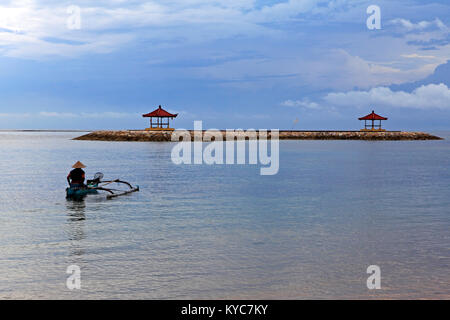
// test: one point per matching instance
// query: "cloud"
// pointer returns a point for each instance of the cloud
(82, 115)
(35, 29)
(407, 25)
(432, 96)
(305, 103)
(344, 71)
(334, 69)
(428, 35)
(282, 11)
(417, 56)
(15, 115)
(431, 44)
(116, 115)
(30, 30)
(57, 114)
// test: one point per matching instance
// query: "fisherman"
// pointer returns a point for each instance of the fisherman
(76, 176)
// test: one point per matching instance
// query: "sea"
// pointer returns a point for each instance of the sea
(314, 230)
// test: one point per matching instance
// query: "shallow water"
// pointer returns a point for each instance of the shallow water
(207, 232)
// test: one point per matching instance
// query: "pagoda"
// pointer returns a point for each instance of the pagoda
(161, 122)
(372, 126)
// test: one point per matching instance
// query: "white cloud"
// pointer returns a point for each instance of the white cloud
(282, 11)
(110, 25)
(305, 103)
(432, 96)
(15, 115)
(26, 25)
(330, 69)
(116, 115)
(57, 114)
(344, 71)
(417, 56)
(29, 30)
(419, 26)
(85, 115)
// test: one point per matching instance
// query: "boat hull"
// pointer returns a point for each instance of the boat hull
(77, 193)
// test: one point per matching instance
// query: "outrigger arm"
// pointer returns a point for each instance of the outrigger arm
(111, 191)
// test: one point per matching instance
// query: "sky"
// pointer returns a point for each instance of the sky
(262, 64)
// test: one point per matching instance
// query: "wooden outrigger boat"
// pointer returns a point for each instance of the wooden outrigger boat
(96, 185)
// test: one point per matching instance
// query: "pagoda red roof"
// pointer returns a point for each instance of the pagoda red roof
(160, 113)
(373, 116)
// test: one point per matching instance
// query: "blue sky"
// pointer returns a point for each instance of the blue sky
(232, 64)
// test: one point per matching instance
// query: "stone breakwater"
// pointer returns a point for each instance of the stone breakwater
(161, 136)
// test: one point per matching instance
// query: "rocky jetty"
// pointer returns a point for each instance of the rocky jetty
(155, 136)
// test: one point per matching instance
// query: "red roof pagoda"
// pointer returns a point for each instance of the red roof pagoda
(159, 114)
(372, 126)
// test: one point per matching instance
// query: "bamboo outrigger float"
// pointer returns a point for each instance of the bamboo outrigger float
(95, 185)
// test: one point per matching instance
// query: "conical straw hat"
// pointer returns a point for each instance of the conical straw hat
(78, 165)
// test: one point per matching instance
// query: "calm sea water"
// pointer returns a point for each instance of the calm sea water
(210, 232)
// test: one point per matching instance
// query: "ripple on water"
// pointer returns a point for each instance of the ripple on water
(225, 231)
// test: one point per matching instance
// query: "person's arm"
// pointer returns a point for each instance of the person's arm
(68, 179)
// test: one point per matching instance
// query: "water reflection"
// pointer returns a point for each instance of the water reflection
(75, 225)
